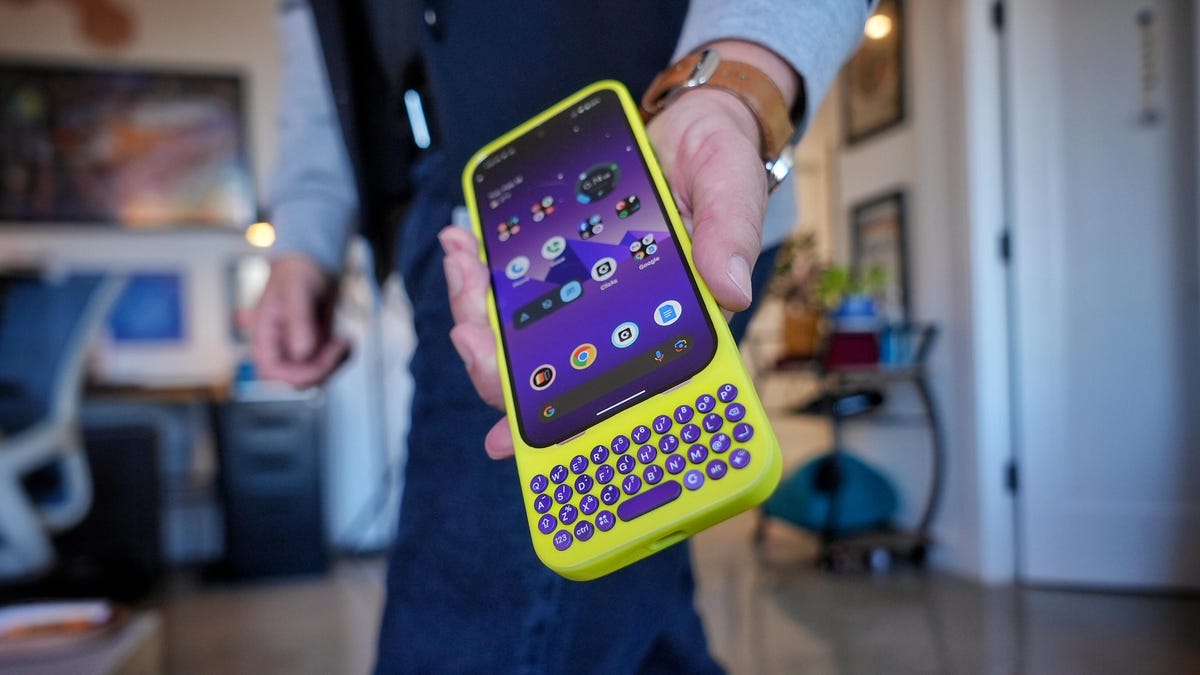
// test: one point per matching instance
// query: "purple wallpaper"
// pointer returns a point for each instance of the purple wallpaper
(533, 193)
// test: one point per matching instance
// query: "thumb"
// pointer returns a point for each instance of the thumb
(727, 192)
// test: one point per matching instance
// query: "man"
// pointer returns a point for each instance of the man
(465, 591)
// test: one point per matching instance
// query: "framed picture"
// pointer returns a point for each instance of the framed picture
(873, 99)
(878, 239)
(123, 146)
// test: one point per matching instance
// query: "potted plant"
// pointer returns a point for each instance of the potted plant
(852, 298)
(796, 282)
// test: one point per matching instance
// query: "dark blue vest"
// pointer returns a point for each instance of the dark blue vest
(484, 65)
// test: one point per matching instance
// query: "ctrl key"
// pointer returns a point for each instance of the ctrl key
(562, 540)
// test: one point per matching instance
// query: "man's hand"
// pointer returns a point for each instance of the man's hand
(708, 144)
(293, 342)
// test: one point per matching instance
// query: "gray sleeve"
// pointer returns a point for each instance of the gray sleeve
(312, 197)
(814, 36)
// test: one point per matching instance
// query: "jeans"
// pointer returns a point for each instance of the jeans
(465, 591)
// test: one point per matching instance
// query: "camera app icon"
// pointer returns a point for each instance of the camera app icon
(625, 335)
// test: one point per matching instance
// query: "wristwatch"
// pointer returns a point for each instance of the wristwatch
(705, 68)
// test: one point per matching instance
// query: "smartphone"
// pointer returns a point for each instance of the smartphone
(635, 422)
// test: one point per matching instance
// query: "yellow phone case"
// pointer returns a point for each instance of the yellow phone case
(605, 544)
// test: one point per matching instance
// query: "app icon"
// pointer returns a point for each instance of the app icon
(547, 303)
(542, 209)
(553, 248)
(508, 228)
(583, 356)
(628, 206)
(658, 355)
(570, 291)
(517, 267)
(549, 411)
(591, 227)
(542, 376)
(680, 345)
(604, 269)
(597, 182)
(640, 248)
(523, 318)
(667, 313)
(625, 334)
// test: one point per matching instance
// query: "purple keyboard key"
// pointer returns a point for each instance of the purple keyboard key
(539, 484)
(706, 403)
(690, 433)
(626, 464)
(546, 524)
(583, 484)
(720, 443)
(579, 464)
(668, 443)
(716, 469)
(740, 458)
(640, 434)
(713, 422)
(584, 530)
(589, 504)
(653, 474)
(620, 444)
(675, 464)
(558, 474)
(631, 485)
(599, 454)
(649, 500)
(662, 424)
(697, 453)
(605, 520)
(734, 412)
(693, 479)
(646, 454)
(542, 503)
(562, 540)
(610, 494)
(562, 494)
(604, 474)
(683, 414)
(743, 432)
(727, 393)
(567, 514)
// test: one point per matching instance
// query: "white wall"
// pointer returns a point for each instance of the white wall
(223, 35)
(928, 156)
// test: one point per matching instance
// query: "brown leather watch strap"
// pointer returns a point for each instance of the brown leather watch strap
(759, 93)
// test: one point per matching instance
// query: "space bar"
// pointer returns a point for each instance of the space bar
(649, 500)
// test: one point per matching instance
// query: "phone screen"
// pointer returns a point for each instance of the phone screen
(598, 308)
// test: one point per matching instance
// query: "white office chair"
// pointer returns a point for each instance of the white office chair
(45, 329)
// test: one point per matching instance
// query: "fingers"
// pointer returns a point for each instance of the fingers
(477, 347)
(288, 342)
(466, 276)
(498, 443)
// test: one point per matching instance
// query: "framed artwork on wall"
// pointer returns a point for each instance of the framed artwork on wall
(873, 96)
(878, 239)
(123, 146)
